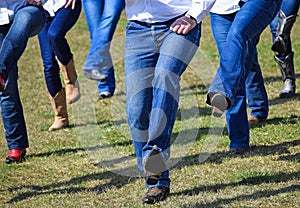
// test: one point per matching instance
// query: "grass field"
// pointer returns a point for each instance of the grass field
(92, 164)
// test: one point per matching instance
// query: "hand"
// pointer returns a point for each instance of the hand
(34, 2)
(69, 2)
(183, 25)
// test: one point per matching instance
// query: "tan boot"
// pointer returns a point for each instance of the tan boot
(59, 106)
(71, 82)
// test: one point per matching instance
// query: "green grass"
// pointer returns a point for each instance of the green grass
(92, 164)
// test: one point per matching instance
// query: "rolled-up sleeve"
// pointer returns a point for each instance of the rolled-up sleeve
(200, 9)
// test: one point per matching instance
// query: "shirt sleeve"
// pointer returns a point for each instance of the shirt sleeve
(200, 9)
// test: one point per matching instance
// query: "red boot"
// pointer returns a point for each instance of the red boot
(15, 155)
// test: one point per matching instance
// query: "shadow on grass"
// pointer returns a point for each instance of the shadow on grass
(72, 186)
(75, 150)
(254, 196)
(263, 150)
(278, 100)
(255, 180)
(116, 180)
(293, 119)
(189, 113)
(295, 157)
(200, 88)
(277, 78)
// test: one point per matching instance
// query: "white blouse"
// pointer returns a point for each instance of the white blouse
(152, 11)
(8, 8)
(53, 5)
(225, 6)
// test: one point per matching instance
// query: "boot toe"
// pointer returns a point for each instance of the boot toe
(289, 89)
(15, 155)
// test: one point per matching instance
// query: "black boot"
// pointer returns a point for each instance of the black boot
(288, 76)
(283, 33)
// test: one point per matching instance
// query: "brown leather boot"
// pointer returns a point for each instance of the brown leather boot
(59, 106)
(71, 83)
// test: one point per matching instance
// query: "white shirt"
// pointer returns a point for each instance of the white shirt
(225, 6)
(8, 8)
(152, 11)
(53, 5)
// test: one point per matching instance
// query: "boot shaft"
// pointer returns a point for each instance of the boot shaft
(59, 104)
(286, 66)
(284, 27)
(68, 71)
(71, 83)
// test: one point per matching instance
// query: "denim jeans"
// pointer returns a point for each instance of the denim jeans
(102, 18)
(155, 58)
(53, 43)
(230, 80)
(256, 91)
(289, 7)
(28, 21)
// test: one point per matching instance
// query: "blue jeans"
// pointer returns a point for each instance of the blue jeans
(28, 21)
(155, 58)
(230, 80)
(256, 91)
(53, 43)
(102, 18)
(289, 7)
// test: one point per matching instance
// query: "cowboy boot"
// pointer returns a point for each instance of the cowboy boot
(284, 27)
(71, 83)
(59, 106)
(286, 67)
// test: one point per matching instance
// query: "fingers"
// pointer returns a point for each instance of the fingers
(183, 25)
(34, 2)
(73, 4)
(70, 2)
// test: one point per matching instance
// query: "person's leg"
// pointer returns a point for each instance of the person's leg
(236, 116)
(220, 25)
(28, 21)
(281, 27)
(15, 128)
(93, 10)
(64, 20)
(250, 21)
(51, 68)
(289, 8)
(99, 57)
(141, 56)
(23, 27)
(153, 94)
(140, 60)
(228, 87)
(175, 53)
(53, 82)
(255, 87)
(111, 14)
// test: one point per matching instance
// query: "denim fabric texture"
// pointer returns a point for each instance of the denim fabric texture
(155, 58)
(230, 80)
(256, 92)
(102, 17)
(28, 21)
(54, 44)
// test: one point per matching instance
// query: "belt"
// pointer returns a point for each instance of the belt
(146, 24)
